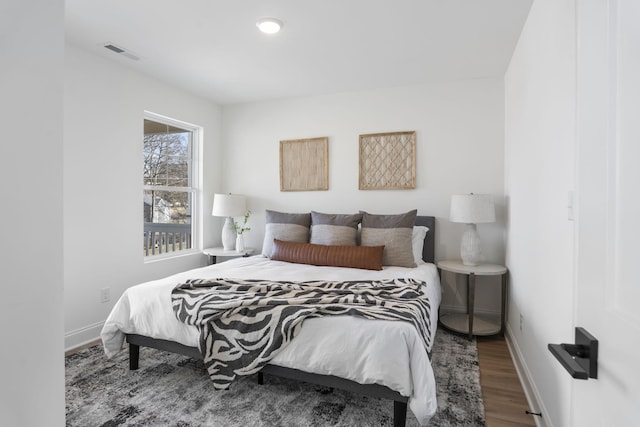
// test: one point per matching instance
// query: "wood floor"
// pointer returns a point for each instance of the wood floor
(82, 347)
(504, 400)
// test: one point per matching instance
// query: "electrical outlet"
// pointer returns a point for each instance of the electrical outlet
(521, 321)
(105, 295)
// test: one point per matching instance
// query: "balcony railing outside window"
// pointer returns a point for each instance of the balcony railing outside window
(164, 238)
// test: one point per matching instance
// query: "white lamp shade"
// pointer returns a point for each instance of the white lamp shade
(229, 205)
(472, 208)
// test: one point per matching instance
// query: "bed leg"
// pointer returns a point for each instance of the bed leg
(260, 378)
(134, 356)
(399, 413)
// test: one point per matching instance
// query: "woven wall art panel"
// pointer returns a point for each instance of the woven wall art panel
(304, 164)
(388, 161)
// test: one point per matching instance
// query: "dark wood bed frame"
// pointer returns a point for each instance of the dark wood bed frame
(374, 390)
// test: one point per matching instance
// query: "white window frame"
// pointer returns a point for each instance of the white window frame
(197, 213)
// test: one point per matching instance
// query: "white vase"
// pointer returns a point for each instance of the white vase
(240, 243)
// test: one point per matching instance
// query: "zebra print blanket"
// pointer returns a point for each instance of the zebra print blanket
(243, 324)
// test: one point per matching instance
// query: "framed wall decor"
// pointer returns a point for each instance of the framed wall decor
(388, 161)
(304, 164)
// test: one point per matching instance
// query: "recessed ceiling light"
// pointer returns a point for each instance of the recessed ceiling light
(269, 25)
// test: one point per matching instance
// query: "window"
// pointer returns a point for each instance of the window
(170, 185)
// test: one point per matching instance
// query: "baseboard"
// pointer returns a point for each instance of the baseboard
(82, 336)
(528, 385)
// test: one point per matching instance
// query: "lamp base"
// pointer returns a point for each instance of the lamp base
(470, 245)
(228, 235)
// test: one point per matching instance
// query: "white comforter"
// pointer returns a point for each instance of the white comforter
(366, 351)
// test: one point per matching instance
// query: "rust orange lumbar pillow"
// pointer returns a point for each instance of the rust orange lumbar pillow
(365, 257)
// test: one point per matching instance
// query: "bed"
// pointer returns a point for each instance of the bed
(379, 358)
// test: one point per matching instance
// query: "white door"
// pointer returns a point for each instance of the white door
(608, 203)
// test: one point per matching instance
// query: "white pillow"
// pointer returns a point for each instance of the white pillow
(417, 242)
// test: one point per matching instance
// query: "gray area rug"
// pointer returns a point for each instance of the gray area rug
(174, 390)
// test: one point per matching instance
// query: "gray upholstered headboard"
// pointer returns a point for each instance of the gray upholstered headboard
(429, 248)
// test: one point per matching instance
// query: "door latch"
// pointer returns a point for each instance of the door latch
(579, 359)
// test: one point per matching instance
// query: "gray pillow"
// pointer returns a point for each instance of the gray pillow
(392, 231)
(334, 229)
(288, 227)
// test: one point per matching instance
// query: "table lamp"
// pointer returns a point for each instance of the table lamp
(471, 209)
(229, 205)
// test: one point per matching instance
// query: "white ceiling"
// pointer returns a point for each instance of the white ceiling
(213, 48)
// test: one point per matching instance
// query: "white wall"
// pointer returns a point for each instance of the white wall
(460, 143)
(31, 315)
(539, 173)
(104, 104)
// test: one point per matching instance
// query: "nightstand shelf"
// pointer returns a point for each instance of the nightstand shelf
(471, 323)
(483, 324)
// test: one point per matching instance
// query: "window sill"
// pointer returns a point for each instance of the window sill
(169, 256)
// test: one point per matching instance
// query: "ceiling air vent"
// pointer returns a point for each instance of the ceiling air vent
(112, 47)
